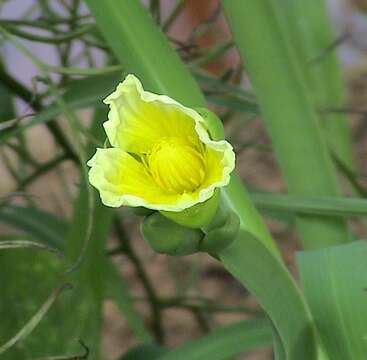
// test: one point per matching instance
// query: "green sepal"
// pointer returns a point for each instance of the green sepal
(168, 237)
(213, 123)
(197, 216)
(218, 238)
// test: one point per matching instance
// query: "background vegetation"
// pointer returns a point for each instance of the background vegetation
(76, 277)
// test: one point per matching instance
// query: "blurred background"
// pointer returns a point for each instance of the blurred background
(38, 168)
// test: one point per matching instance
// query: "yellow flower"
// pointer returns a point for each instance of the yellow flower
(162, 156)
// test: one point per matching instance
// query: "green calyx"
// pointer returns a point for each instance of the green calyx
(197, 216)
(168, 237)
(220, 237)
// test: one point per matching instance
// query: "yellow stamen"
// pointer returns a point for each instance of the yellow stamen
(177, 165)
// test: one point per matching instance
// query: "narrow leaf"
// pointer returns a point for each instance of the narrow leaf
(225, 342)
(289, 115)
(334, 282)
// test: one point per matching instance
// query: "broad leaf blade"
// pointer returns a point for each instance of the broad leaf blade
(27, 279)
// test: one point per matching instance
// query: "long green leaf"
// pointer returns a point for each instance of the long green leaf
(288, 112)
(334, 282)
(311, 205)
(143, 52)
(266, 277)
(225, 342)
(310, 31)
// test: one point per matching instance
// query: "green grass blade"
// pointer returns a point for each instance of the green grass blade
(310, 31)
(251, 263)
(310, 205)
(225, 342)
(142, 51)
(288, 112)
(334, 282)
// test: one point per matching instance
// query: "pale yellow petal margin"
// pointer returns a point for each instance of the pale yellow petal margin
(138, 119)
(122, 180)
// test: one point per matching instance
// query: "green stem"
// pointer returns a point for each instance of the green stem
(173, 16)
(23, 153)
(82, 30)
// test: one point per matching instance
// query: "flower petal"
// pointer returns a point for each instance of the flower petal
(138, 119)
(123, 180)
(220, 164)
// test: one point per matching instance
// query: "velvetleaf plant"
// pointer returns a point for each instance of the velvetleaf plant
(163, 158)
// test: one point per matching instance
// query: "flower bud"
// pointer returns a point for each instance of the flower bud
(168, 237)
(219, 234)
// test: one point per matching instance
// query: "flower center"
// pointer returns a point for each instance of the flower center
(177, 166)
